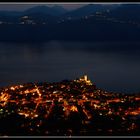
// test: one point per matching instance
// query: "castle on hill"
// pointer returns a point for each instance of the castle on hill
(84, 79)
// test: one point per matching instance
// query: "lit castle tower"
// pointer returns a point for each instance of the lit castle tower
(84, 79)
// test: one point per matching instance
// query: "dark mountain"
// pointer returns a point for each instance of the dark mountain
(126, 12)
(54, 11)
(59, 9)
(40, 18)
(89, 9)
(111, 25)
(9, 16)
(38, 14)
(10, 13)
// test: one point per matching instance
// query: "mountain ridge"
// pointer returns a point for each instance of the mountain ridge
(100, 26)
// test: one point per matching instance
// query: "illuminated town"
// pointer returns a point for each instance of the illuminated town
(67, 108)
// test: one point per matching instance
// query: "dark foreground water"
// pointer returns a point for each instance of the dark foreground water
(113, 66)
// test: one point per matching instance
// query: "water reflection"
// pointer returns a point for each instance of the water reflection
(112, 66)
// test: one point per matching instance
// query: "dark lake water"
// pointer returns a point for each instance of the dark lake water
(113, 66)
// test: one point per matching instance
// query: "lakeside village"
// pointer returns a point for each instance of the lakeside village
(31, 20)
(67, 108)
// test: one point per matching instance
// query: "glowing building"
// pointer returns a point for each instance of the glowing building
(85, 80)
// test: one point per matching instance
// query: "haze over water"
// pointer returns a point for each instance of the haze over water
(112, 66)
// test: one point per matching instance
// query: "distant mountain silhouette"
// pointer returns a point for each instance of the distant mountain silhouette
(89, 9)
(59, 9)
(38, 13)
(126, 12)
(54, 11)
(111, 25)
